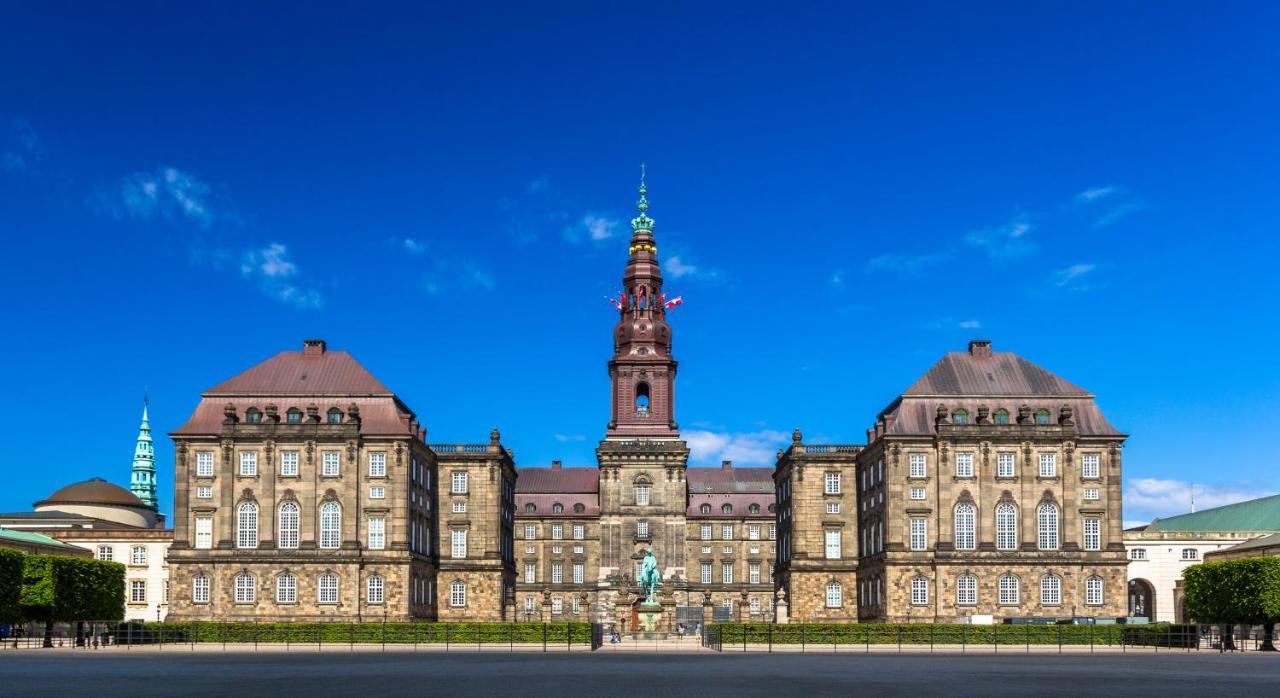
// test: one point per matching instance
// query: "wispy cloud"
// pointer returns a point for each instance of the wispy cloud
(165, 193)
(1005, 242)
(20, 148)
(592, 227)
(1147, 498)
(755, 448)
(1108, 204)
(1095, 193)
(1073, 278)
(566, 438)
(1118, 212)
(538, 184)
(951, 323)
(678, 267)
(450, 272)
(909, 265)
(272, 270)
(413, 246)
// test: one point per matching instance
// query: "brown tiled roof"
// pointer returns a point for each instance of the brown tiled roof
(304, 373)
(378, 415)
(741, 506)
(918, 415)
(93, 491)
(558, 480)
(728, 480)
(1000, 373)
(544, 505)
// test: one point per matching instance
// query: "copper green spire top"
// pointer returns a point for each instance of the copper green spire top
(642, 221)
(143, 481)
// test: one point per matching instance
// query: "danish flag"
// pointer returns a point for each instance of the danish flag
(678, 300)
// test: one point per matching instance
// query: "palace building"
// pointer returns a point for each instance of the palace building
(306, 490)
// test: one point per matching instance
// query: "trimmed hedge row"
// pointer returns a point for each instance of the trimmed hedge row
(58, 588)
(938, 634)
(358, 633)
(11, 562)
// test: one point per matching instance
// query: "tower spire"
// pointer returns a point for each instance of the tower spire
(142, 482)
(642, 221)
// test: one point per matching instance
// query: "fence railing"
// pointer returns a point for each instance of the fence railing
(239, 635)
(868, 637)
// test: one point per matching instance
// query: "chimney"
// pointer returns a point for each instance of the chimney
(555, 465)
(980, 348)
(313, 347)
(726, 464)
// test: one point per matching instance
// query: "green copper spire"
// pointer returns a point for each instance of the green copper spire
(143, 481)
(642, 221)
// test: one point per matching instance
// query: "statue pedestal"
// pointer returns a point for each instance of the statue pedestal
(649, 617)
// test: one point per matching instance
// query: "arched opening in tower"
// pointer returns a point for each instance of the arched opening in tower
(642, 399)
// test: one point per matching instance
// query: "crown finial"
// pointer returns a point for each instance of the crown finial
(642, 221)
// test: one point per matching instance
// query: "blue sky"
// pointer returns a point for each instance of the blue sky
(842, 195)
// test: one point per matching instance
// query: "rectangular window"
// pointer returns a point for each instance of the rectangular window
(204, 533)
(557, 531)
(833, 545)
(138, 555)
(377, 464)
(1092, 534)
(964, 465)
(377, 493)
(557, 606)
(1008, 590)
(753, 533)
(458, 539)
(458, 595)
(918, 531)
(204, 492)
(1090, 465)
(754, 605)
(200, 589)
(137, 591)
(288, 463)
(753, 573)
(249, 463)
(917, 462)
(1048, 465)
(577, 550)
(726, 532)
(329, 462)
(831, 483)
(833, 507)
(327, 589)
(530, 531)
(1091, 494)
(557, 572)
(460, 506)
(919, 591)
(579, 531)
(459, 483)
(377, 533)
(1004, 465)
(705, 573)
(705, 531)
(642, 529)
(773, 532)
(530, 573)
(204, 463)
(642, 495)
(726, 573)
(579, 572)
(529, 604)
(1138, 554)
(917, 493)
(1189, 554)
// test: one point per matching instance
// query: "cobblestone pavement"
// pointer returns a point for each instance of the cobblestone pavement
(704, 675)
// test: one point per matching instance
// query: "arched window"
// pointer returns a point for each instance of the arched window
(642, 399)
(557, 508)
(754, 509)
(530, 508)
(1006, 526)
(1093, 591)
(335, 416)
(727, 509)
(458, 594)
(287, 536)
(965, 527)
(247, 525)
(286, 588)
(374, 589)
(330, 525)
(253, 416)
(960, 417)
(1047, 516)
(246, 590)
(200, 589)
(293, 416)
(1002, 416)
(835, 595)
(773, 508)
(138, 555)
(967, 590)
(705, 508)
(1050, 590)
(1009, 590)
(327, 588)
(579, 508)
(919, 591)
(1042, 416)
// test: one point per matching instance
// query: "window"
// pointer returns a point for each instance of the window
(965, 538)
(288, 463)
(1093, 591)
(286, 588)
(726, 573)
(754, 605)
(577, 549)
(330, 525)
(288, 525)
(1006, 527)
(530, 531)
(1089, 465)
(557, 573)
(204, 533)
(105, 553)
(249, 463)
(459, 484)
(835, 595)
(1050, 590)
(458, 594)
(833, 507)
(137, 591)
(530, 508)
(726, 532)
(642, 529)
(374, 589)
(964, 464)
(773, 531)
(1004, 465)
(327, 588)
(833, 545)
(459, 543)
(831, 483)
(246, 592)
(1008, 590)
(1042, 416)
(579, 572)
(960, 417)
(967, 590)
(579, 508)
(918, 531)
(753, 509)
(200, 589)
(705, 508)
(1048, 465)
(1138, 554)
(1047, 516)
(530, 572)
(377, 533)
(378, 464)
(557, 508)
(917, 461)
(753, 533)
(460, 506)
(1091, 494)
(727, 509)
(919, 591)
(204, 463)
(753, 573)
(253, 416)
(335, 415)
(247, 525)
(1092, 533)
(1190, 554)
(329, 461)
(377, 493)
(529, 604)
(1002, 416)
(642, 495)
(293, 416)
(705, 573)
(557, 531)
(917, 493)
(579, 531)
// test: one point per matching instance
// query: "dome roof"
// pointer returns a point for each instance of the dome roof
(94, 491)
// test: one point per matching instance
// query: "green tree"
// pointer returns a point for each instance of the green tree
(66, 589)
(1243, 591)
(11, 562)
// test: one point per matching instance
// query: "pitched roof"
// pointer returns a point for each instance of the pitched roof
(991, 373)
(740, 504)
(1261, 514)
(557, 480)
(30, 538)
(307, 372)
(729, 480)
(378, 415)
(544, 505)
(1268, 541)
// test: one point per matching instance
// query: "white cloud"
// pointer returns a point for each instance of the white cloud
(1094, 193)
(565, 438)
(678, 268)
(969, 324)
(1072, 277)
(756, 448)
(166, 193)
(951, 323)
(272, 270)
(1153, 497)
(413, 246)
(910, 265)
(1118, 212)
(837, 278)
(1004, 242)
(599, 227)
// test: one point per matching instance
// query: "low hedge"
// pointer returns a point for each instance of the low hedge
(357, 633)
(11, 562)
(59, 588)
(938, 634)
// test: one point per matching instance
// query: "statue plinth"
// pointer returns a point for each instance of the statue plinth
(649, 616)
